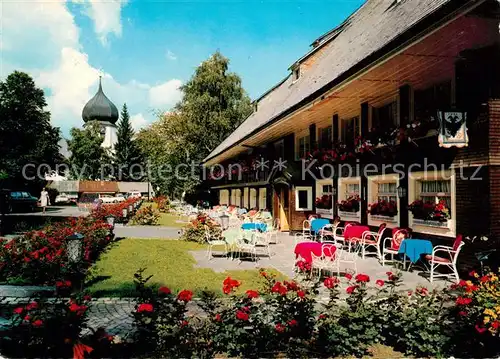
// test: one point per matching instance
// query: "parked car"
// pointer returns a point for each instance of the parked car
(63, 199)
(21, 201)
(134, 194)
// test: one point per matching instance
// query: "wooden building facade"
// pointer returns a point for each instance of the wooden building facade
(357, 122)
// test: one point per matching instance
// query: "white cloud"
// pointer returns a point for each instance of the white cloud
(41, 38)
(165, 94)
(138, 121)
(106, 15)
(171, 56)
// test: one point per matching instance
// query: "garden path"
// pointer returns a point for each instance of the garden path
(146, 232)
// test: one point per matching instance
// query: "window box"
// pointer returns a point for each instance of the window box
(391, 219)
(430, 223)
(349, 215)
(326, 213)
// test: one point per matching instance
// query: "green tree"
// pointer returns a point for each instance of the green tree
(214, 103)
(88, 160)
(128, 158)
(26, 134)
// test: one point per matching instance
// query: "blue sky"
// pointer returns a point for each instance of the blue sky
(147, 49)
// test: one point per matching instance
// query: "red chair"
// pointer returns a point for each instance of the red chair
(398, 236)
(372, 239)
(447, 256)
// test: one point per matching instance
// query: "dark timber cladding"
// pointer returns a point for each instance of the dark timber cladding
(368, 96)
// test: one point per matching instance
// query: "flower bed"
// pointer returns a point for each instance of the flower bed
(115, 210)
(42, 258)
(280, 319)
(195, 231)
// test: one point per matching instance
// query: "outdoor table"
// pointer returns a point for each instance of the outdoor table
(262, 227)
(355, 231)
(318, 224)
(304, 250)
(413, 249)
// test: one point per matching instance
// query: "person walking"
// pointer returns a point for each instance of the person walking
(44, 199)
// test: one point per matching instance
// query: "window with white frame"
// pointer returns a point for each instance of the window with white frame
(303, 198)
(352, 189)
(434, 191)
(303, 146)
(387, 191)
(325, 137)
(262, 198)
(350, 129)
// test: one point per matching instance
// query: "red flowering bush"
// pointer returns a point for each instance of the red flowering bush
(383, 208)
(47, 329)
(429, 211)
(146, 216)
(41, 257)
(114, 209)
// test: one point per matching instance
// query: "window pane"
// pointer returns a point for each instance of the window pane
(302, 195)
(353, 188)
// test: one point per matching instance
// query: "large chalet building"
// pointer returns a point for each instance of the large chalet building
(393, 116)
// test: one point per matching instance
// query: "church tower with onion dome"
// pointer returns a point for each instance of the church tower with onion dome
(101, 109)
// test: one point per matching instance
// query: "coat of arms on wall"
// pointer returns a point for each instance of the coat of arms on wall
(453, 129)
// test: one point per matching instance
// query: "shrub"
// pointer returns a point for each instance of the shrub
(195, 231)
(41, 257)
(146, 216)
(47, 329)
(162, 203)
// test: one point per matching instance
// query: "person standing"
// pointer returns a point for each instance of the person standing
(44, 199)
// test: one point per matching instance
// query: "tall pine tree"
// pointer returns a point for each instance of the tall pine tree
(128, 158)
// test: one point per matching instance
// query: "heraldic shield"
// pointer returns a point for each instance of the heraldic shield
(453, 129)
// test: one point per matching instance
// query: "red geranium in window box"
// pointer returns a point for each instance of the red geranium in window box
(383, 208)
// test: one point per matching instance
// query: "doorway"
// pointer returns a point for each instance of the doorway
(283, 206)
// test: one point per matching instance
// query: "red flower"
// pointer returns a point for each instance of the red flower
(144, 307)
(322, 316)
(27, 318)
(422, 291)
(241, 315)
(87, 298)
(463, 301)
(301, 294)
(291, 285)
(252, 294)
(79, 309)
(348, 276)
(331, 282)
(264, 274)
(184, 323)
(362, 278)
(218, 318)
(380, 283)
(280, 328)
(472, 273)
(37, 323)
(18, 310)
(351, 289)
(229, 284)
(480, 330)
(484, 278)
(462, 313)
(495, 324)
(279, 288)
(63, 284)
(32, 305)
(390, 276)
(292, 323)
(164, 290)
(185, 295)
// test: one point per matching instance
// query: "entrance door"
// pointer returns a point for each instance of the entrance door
(283, 207)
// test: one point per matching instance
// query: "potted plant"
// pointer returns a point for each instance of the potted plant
(383, 210)
(430, 214)
(350, 207)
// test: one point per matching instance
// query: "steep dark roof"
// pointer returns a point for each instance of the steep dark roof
(376, 28)
(100, 108)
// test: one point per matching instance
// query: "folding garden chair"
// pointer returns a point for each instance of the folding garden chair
(447, 257)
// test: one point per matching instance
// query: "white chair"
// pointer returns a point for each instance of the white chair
(447, 257)
(395, 242)
(372, 239)
(244, 245)
(261, 240)
(347, 257)
(274, 231)
(211, 241)
(305, 235)
(338, 235)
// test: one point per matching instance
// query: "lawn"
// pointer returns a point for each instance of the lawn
(170, 264)
(168, 219)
